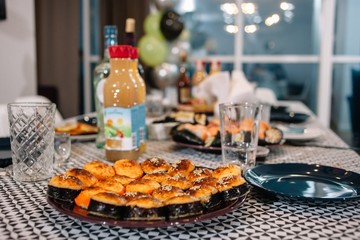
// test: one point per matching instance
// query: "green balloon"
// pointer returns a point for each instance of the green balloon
(152, 25)
(152, 50)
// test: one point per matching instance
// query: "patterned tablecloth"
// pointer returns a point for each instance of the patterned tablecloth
(25, 213)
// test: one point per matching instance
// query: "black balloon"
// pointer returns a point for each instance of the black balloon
(171, 25)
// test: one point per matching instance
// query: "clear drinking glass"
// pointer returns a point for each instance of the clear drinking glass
(32, 140)
(62, 145)
(239, 128)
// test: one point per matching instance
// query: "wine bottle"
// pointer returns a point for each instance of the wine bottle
(101, 72)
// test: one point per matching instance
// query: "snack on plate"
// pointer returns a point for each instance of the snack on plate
(129, 168)
(183, 206)
(158, 176)
(85, 176)
(198, 173)
(107, 204)
(230, 187)
(145, 208)
(181, 167)
(209, 135)
(164, 191)
(83, 199)
(143, 186)
(77, 128)
(177, 181)
(208, 195)
(64, 188)
(100, 170)
(154, 165)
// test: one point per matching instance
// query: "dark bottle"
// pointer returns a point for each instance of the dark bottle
(130, 39)
(183, 84)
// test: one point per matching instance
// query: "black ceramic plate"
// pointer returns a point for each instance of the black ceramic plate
(82, 214)
(305, 181)
(288, 117)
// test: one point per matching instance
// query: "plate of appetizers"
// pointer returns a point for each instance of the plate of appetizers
(208, 136)
(153, 193)
(305, 181)
(81, 128)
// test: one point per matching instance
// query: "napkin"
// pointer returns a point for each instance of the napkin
(4, 121)
(241, 89)
(214, 89)
(221, 88)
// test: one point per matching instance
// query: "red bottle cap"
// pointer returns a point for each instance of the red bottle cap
(134, 53)
(119, 51)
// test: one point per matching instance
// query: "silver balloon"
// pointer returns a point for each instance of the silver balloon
(165, 4)
(175, 50)
(165, 74)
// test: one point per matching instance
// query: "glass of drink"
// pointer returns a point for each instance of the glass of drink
(32, 140)
(62, 145)
(239, 127)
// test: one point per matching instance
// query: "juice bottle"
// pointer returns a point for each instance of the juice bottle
(141, 98)
(121, 118)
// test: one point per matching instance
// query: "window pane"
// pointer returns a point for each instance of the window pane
(288, 81)
(345, 112)
(94, 30)
(280, 27)
(205, 22)
(347, 35)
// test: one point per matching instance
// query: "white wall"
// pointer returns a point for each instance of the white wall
(17, 51)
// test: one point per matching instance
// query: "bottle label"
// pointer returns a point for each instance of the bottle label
(185, 95)
(121, 128)
(100, 90)
(142, 124)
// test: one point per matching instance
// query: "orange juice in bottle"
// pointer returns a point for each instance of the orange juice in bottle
(141, 98)
(121, 118)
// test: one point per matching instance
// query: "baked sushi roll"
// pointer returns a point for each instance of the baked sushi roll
(100, 170)
(154, 165)
(208, 195)
(183, 206)
(64, 188)
(129, 168)
(107, 204)
(166, 192)
(83, 199)
(129, 196)
(199, 173)
(146, 186)
(124, 180)
(145, 209)
(157, 176)
(177, 181)
(181, 167)
(111, 185)
(226, 170)
(231, 187)
(85, 177)
(205, 181)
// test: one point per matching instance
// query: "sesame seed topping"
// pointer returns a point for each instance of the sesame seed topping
(194, 188)
(167, 188)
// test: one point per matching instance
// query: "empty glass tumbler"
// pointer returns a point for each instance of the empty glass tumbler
(32, 140)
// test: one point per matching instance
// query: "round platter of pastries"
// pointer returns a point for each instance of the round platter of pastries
(152, 193)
